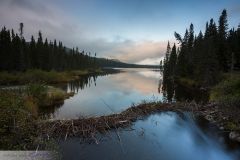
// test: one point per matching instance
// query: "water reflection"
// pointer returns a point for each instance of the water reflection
(101, 95)
(173, 91)
(164, 136)
(84, 82)
(112, 93)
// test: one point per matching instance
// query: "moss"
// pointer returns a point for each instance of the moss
(232, 126)
(227, 92)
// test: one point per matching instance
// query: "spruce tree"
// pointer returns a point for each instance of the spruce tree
(222, 53)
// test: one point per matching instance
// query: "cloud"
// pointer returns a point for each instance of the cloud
(133, 52)
(126, 50)
(36, 15)
(150, 61)
(141, 50)
(56, 23)
(137, 81)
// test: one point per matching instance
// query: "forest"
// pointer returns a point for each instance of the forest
(203, 57)
(19, 55)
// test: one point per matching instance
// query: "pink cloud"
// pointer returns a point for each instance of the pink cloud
(135, 52)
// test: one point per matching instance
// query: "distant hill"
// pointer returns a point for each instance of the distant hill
(116, 63)
(103, 62)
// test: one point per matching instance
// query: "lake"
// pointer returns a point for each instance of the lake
(113, 93)
(166, 136)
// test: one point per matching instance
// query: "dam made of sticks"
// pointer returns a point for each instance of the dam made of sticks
(88, 128)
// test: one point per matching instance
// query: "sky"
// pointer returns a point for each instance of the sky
(133, 31)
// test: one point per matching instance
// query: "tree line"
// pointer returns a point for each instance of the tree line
(204, 56)
(18, 55)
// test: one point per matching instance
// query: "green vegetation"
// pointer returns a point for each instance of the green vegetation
(46, 95)
(17, 120)
(19, 114)
(187, 82)
(227, 92)
(232, 126)
(40, 76)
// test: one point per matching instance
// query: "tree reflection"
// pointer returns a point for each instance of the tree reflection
(173, 91)
(85, 81)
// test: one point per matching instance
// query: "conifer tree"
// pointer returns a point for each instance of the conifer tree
(222, 48)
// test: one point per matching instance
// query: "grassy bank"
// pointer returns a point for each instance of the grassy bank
(45, 96)
(227, 95)
(17, 121)
(39, 76)
(227, 92)
(19, 115)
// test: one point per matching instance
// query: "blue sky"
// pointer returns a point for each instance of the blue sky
(134, 31)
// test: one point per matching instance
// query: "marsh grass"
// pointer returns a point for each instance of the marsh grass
(19, 115)
(17, 121)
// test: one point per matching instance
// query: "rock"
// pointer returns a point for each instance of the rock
(224, 118)
(210, 105)
(212, 112)
(234, 136)
(209, 118)
(221, 128)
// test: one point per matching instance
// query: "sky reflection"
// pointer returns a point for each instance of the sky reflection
(112, 94)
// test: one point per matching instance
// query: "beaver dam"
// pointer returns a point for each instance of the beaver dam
(89, 127)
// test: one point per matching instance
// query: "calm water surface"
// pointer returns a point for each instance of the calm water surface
(102, 95)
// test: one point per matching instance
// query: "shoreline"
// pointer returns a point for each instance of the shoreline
(49, 77)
